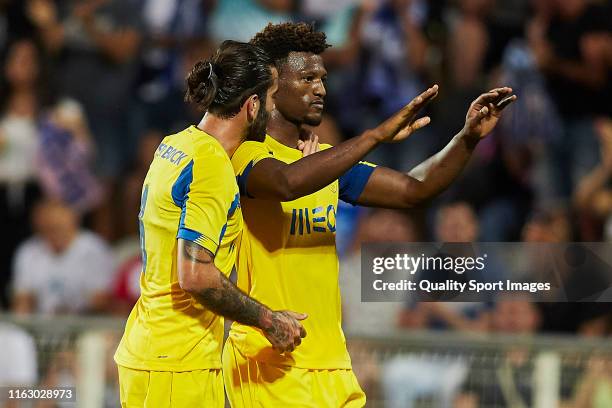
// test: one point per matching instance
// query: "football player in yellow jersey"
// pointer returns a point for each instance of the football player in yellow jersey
(190, 226)
(287, 257)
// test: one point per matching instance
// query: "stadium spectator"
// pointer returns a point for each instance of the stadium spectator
(18, 366)
(167, 26)
(594, 388)
(370, 318)
(61, 269)
(511, 383)
(548, 225)
(126, 286)
(467, 63)
(593, 195)
(175, 37)
(584, 318)
(578, 80)
(455, 222)
(387, 73)
(94, 45)
(523, 135)
(22, 90)
(376, 226)
(66, 157)
(410, 377)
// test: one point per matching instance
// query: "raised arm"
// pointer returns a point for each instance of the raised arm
(276, 180)
(392, 189)
(199, 276)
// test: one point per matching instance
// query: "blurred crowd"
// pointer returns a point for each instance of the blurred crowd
(89, 87)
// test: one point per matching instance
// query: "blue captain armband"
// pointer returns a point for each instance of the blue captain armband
(353, 182)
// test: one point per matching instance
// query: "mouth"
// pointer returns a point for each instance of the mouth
(318, 105)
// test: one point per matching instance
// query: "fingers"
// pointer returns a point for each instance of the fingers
(421, 123)
(505, 91)
(314, 145)
(484, 111)
(423, 99)
(505, 102)
(409, 129)
(309, 146)
(289, 333)
(297, 316)
(487, 98)
(497, 96)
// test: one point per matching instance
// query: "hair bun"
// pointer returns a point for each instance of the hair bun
(202, 84)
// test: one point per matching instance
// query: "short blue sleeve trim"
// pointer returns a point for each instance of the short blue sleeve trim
(354, 181)
(188, 234)
(241, 179)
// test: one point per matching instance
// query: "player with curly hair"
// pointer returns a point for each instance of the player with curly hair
(287, 257)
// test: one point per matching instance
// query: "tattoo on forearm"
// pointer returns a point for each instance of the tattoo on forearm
(225, 299)
(229, 301)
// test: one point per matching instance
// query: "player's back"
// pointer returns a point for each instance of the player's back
(189, 192)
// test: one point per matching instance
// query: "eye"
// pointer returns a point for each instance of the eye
(309, 78)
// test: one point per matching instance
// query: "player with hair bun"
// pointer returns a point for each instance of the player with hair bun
(190, 223)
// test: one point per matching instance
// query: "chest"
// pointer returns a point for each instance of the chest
(312, 214)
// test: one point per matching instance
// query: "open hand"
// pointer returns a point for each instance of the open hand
(402, 124)
(486, 110)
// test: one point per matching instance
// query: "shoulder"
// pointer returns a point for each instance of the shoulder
(209, 156)
(248, 154)
(32, 247)
(250, 149)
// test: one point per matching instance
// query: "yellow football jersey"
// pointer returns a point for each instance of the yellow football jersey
(287, 260)
(190, 192)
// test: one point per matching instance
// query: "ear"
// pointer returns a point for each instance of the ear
(252, 107)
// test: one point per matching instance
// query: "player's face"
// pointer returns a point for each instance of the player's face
(257, 129)
(301, 89)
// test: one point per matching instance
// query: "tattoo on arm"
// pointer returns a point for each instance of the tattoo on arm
(197, 254)
(224, 298)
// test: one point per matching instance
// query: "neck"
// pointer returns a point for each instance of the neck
(62, 247)
(22, 102)
(227, 131)
(282, 130)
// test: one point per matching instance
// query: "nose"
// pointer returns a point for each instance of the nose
(319, 89)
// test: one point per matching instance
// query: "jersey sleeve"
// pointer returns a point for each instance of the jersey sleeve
(244, 159)
(203, 193)
(354, 181)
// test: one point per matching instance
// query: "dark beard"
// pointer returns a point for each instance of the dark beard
(257, 129)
